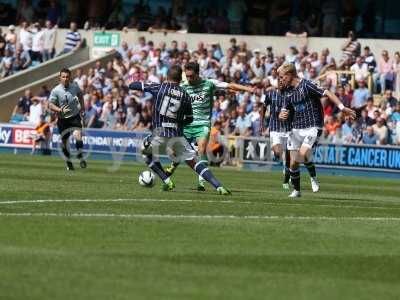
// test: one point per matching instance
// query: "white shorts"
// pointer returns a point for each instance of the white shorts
(279, 138)
(307, 137)
(178, 149)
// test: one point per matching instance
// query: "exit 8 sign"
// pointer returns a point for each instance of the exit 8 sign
(106, 39)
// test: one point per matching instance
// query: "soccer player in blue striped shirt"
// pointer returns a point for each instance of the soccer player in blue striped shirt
(308, 120)
(172, 111)
(278, 100)
(279, 130)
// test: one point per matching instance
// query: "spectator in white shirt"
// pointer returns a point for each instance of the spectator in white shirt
(360, 69)
(273, 78)
(35, 112)
(50, 37)
(25, 36)
(38, 43)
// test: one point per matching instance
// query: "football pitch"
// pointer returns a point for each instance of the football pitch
(96, 234)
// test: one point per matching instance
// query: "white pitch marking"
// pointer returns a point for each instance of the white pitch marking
(192, 201)
(167, 216)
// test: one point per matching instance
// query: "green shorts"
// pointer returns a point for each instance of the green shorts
(197, 132)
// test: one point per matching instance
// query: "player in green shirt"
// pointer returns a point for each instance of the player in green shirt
(202, 94)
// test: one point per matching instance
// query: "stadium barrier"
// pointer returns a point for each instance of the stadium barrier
(9, 100)
(327, 155)
(248, 150)
(42, 70)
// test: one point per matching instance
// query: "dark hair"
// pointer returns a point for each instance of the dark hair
(193, 66)
(65, 70)
(175, 73)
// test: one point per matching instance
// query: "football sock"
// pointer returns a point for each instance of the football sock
(157, 168)
(287, 164)
(287, 175)
(205, 173)
(311, 169)
(65, 151)
(175, 164)
(204, 160)
(79, 147)
(295, 178)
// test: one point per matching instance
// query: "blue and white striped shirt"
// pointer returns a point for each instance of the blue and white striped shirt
(305, 99)
(277, 100)
(172, 105)
(73, 38)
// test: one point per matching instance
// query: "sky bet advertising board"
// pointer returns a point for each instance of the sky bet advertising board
(95, 140)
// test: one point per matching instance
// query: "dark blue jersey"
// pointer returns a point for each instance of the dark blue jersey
(306, 102)
(172, 106)
(277, 100)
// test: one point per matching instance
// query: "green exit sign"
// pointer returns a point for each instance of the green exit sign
(106, 39)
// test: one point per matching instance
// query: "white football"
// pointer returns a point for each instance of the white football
(147, 179)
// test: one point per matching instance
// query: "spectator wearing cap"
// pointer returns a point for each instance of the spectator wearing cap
(50, 38)
(11, 36)
(381, 131)
(361, 95)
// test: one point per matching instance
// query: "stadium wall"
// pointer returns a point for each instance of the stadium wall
(9, 100)
(279, 43)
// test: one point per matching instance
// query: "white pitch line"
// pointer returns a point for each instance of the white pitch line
(168, 216)
(144, 200)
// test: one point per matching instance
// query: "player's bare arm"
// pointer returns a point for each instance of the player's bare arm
(240, 88)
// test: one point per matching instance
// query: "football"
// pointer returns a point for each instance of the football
(147, 179)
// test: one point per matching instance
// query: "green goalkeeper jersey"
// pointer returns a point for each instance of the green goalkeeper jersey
(202, 94)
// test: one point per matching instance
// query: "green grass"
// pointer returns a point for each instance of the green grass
(342, 243)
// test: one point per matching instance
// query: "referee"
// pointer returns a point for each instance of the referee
(67, 101)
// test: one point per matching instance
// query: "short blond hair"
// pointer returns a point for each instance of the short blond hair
(288, 68)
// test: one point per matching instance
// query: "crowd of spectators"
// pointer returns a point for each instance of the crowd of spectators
(29, 47)
(33, 44)
(276, 17)
(110, 105)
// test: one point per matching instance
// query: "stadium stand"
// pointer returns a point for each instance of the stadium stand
(355, 78)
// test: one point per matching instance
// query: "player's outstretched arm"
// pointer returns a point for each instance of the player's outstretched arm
(240, 88)
(339, 104)
(136, 85)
